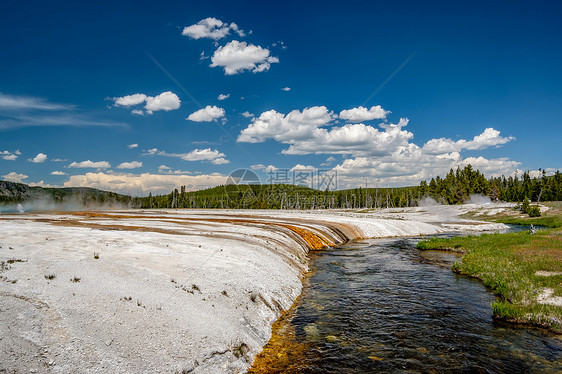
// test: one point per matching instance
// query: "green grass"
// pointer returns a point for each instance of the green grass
(507, 263)
(551, 221)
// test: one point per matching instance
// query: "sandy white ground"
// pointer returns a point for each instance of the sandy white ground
(171, 291)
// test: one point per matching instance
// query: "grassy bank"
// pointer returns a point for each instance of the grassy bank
(524, 270)
(551, 221)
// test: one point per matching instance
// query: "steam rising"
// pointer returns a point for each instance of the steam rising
(437, 210)
(46, 205)
(478, 199)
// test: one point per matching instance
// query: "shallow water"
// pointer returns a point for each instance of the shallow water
(384, 306)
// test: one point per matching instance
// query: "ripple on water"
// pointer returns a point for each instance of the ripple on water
(383, 306)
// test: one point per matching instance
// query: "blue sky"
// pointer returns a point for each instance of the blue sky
(124, 96)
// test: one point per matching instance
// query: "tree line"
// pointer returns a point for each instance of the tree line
(456, 187)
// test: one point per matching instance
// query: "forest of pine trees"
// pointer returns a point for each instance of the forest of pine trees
(457, 186)
(454, 188)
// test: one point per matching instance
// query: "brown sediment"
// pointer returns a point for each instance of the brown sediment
(301, 231)
(283, 349)
(314, 238)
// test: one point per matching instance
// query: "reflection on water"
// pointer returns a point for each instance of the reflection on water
(383, 306)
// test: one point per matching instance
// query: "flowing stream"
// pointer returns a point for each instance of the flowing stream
(384, 306)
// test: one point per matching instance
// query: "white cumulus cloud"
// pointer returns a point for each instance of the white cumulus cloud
(130, 100)
(10, 156)
(211, 28)
(206, 155)
(130, 165)
(355, 139)
(90, 164)
(58, 172)
(236, 57)
(361, 114)
(131, 146)
(164, 168)
(41, 157)
(165, 101)
(143, 184)
(286, 89)
(14, 177)
(213, 156)
(286, 128)
(490, 137)
(223, 96)
(207, 114)
(384, 155)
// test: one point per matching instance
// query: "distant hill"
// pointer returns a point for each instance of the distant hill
(35, 198)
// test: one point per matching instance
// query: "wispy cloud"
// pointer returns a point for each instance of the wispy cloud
(55, 120)
(28, 111)
(18, 103)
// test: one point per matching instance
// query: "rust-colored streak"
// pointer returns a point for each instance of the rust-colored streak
(283, 349)
(112, 227)
(312, 239)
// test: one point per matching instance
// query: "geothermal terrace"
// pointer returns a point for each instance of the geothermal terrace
(165, 291)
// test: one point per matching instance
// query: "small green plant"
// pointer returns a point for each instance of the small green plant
(96, 255)
(75, 279)
(240, 349)
(531, 210)
(534, 211)
(50, 276)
